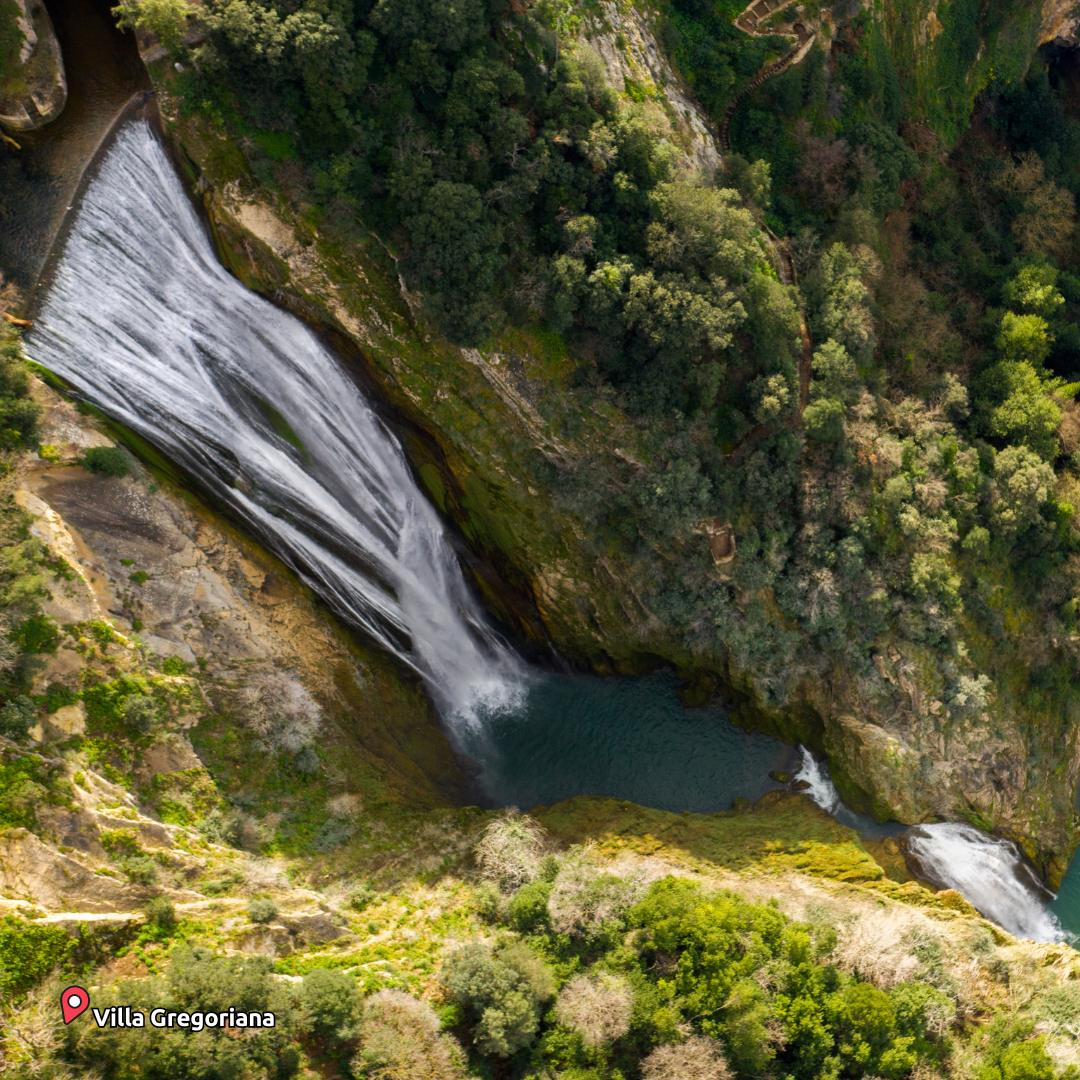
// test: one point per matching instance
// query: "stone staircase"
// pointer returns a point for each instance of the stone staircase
(748, 22)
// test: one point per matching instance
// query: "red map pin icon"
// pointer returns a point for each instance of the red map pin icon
(74, 1001)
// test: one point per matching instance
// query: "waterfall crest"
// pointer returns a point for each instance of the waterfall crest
(143, 320)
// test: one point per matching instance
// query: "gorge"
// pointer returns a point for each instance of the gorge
(144, 323)
(459, 422)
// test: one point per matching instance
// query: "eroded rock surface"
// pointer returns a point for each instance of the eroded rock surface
(36, 92)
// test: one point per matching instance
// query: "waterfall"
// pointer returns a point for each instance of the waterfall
(821, 788)
(143, 320)
(990, 872)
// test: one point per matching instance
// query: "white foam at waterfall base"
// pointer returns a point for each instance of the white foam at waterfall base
(142, 320)
(990, 873)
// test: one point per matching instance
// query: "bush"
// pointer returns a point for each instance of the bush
(503, 994)
(140, 869)
(528, 910)
(330, 1002)
(596, 1007)
(280, 710)
(262, 910)
(400, 1040)
(28, 953)
(139, 711)
(584, 898)
(698, 1058)
(107, 461)
(332, 834)
(512, 850)
(18, 717)
(363, 896)
(161, 913)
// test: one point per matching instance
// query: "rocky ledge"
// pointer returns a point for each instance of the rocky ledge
(36, 92)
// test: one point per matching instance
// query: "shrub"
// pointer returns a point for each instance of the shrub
(330, 1002)
(262, 910)
(161, 913)
(17, 718)
(487, 901)
(332, 834)
(584, 898)
(596, 1007)
(107, 461)
(280, 710)
(28, 953)
(528, 910)
(698, 1058)
(511, 850)
(308, 761)
(173, 665)
(139, 711)
(400, 1040)
(363, 896)
(119, 842)
(140, 869)
(502, 992)
(36, 635)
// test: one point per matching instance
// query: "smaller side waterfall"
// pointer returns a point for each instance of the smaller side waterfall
(821, 788)
(990, 872)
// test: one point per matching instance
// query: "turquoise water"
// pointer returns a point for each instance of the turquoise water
(623, 737)
(1067, 904)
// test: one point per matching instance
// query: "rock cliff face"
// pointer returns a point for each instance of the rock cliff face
(623, 37)
(36, 92)
(1060, 23)
(471, 423)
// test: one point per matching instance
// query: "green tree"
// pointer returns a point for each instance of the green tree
(454, 257)
(503, 993)
(824, 420)
(330, 1004)
(1033, 290)
(165, 19)
(1022, 485)
(1021, 1061)
(1015, 405)
(1024, 338)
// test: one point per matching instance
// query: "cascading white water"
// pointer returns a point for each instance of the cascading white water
(821, 788)
(991, 874)
(144, 321)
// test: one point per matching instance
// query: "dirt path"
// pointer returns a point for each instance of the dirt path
(803, 37)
